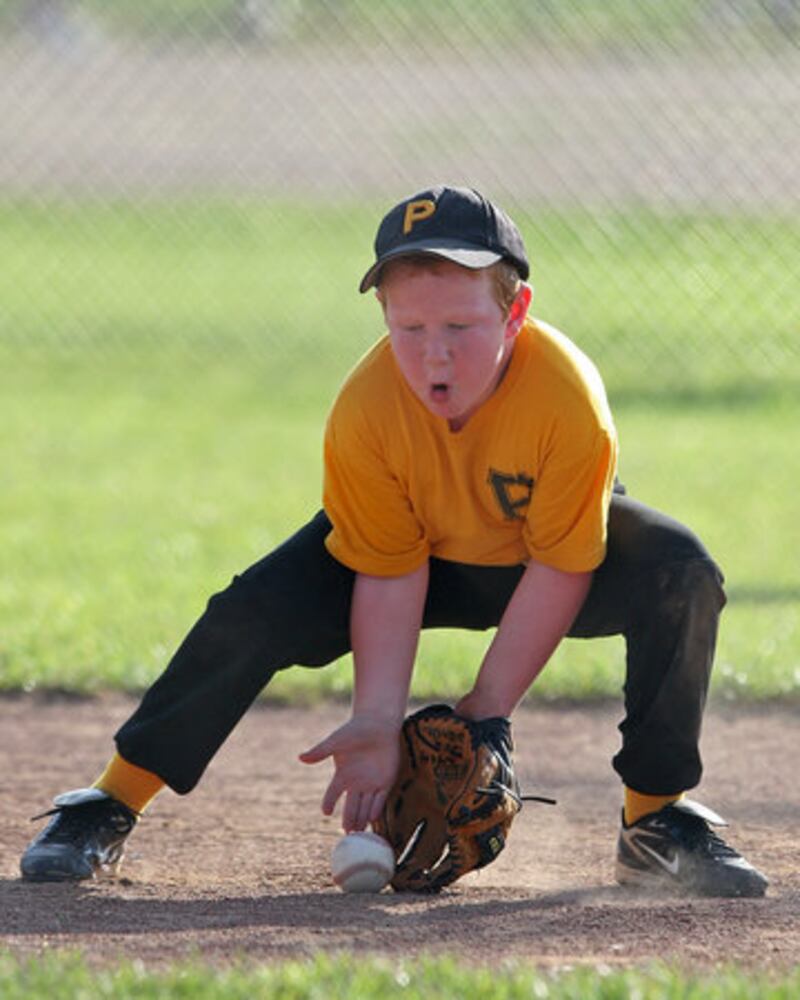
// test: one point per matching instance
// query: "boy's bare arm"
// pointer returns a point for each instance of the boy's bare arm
(385, 623)
(537, 618)
(384, 631)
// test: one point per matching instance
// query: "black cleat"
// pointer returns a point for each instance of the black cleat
(85, 837)
(676, 847)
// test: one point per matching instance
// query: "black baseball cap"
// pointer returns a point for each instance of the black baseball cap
(456, 223)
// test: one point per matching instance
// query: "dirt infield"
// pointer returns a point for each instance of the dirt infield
(239, 869)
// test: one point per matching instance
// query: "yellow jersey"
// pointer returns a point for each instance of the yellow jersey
(529, 476)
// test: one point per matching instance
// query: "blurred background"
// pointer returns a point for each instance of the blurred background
(189, 190)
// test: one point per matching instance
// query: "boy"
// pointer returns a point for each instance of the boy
(470, 463)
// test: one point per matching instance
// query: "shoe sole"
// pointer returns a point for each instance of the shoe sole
(59, 875)
(639, 878)
(55, 877)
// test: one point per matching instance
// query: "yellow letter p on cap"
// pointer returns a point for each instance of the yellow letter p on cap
(416, 211)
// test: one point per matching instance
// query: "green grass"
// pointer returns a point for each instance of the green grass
(181, 284)
(688, 304)
(165, 369)
(65, 977)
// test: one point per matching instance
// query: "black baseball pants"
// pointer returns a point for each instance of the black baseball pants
(657, 587)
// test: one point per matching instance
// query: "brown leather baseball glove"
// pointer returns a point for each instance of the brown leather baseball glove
(455, 797)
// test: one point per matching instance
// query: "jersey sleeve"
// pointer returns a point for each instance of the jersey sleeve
(566, 525)
(375, 530)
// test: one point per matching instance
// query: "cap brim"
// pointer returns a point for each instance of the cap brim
(472, 257)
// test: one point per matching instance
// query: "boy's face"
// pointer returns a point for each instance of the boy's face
(449, 335)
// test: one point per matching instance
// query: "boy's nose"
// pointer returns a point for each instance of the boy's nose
(437, 350)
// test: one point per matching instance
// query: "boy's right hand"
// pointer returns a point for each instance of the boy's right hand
(366, 754)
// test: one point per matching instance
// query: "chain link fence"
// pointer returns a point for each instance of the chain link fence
(650, 151)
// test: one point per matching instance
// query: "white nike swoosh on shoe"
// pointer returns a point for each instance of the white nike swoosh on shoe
(671, 866)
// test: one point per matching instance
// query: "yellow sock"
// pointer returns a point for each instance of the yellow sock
(130, 784)
(638, 805)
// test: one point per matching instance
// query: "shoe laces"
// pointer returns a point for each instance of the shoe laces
(695, 834)
(73, 821)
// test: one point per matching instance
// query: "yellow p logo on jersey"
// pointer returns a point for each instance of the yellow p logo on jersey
(416, 211)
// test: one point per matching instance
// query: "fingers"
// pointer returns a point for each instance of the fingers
(360, 808)
(353, 807)
(316, 753)
(332, 794)
(378, 802)
(364, 770)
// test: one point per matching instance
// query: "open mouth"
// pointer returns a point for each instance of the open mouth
(440, 392)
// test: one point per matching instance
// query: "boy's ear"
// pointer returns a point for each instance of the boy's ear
(519, 310)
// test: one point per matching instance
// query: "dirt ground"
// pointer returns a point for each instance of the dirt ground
(239, 868)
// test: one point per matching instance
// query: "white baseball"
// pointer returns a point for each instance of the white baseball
(362, 862)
